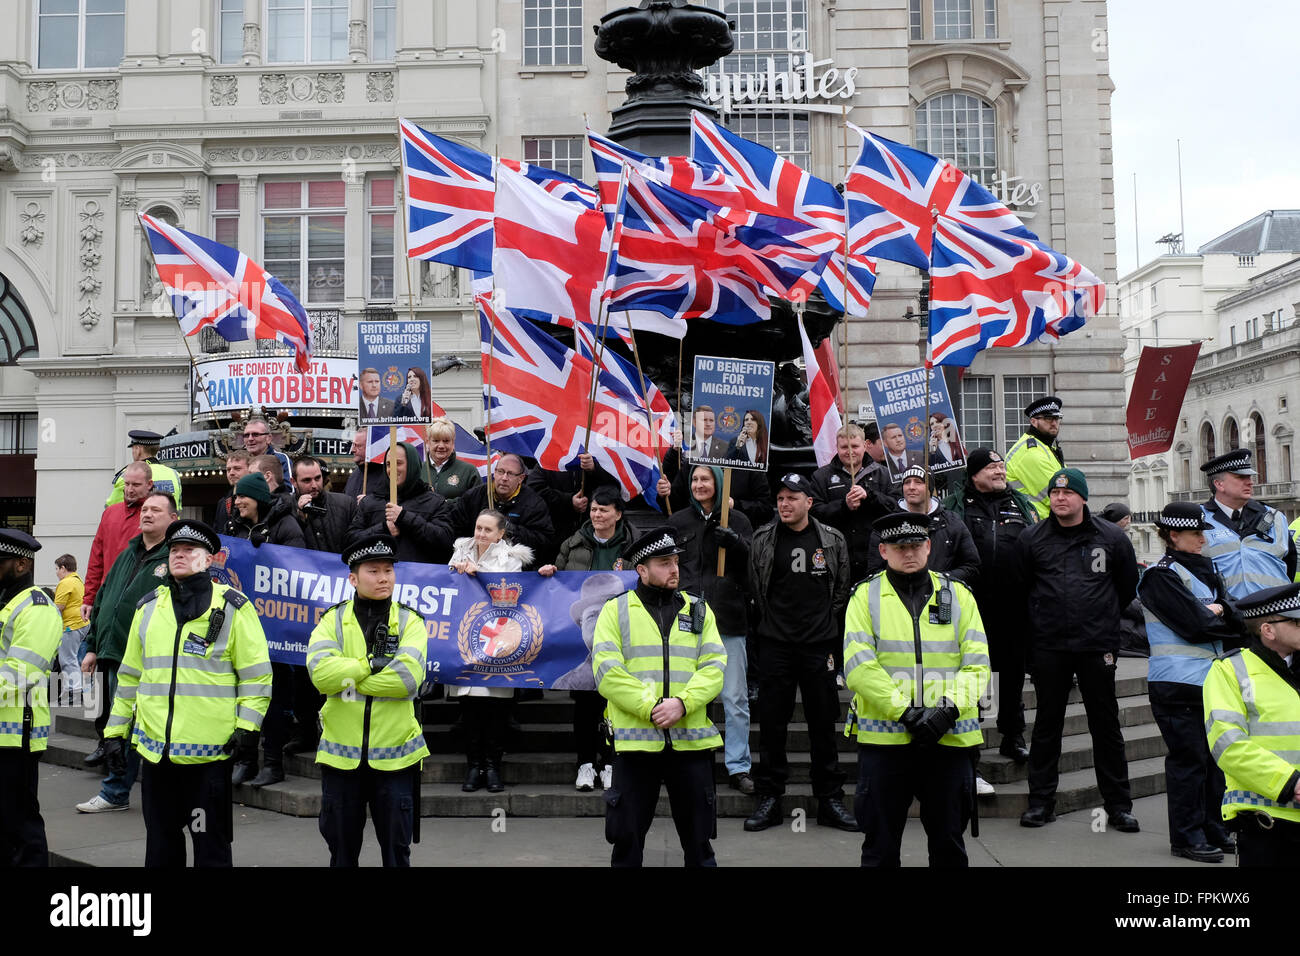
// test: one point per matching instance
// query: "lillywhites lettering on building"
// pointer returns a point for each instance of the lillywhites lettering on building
(807, 79)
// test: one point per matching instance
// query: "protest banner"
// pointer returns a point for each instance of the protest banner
(239, 383)
(901, 404)
(393, 361)
(1159, 386)
(731, 405)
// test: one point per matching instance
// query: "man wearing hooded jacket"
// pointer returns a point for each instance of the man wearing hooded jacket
(414, 522)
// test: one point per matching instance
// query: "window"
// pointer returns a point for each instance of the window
(1207, 443)
(962, 129)
(1231, 436)
(914, 19)
(381, 213)
(784, 132)
(560, 153)
(1285, 461)
(225, 213)
(230, 27)
(1017, 392)
(1232, 335)
(1187, 474)
(952, 19)
(1155, 294)
(79, 34)
(765, 28)
(302, 237)
(306, 31)
(383, 30)
(1260, 449)
(18, 433)
(977, 421)
(552, 32)
(991, 19)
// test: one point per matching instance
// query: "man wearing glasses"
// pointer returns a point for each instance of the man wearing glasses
(257, 441)
(529, 517)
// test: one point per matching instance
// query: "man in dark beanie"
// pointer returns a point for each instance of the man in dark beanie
(269, 516)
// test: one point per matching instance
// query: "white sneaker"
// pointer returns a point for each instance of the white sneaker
(586, 778)
(98, 804)
(983, 787)
(607, 777)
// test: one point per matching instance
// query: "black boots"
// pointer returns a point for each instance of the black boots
(272, 770)
(492, 773)
(767, 813)
(475, 778)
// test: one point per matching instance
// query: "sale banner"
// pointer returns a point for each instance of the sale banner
(1159, 386)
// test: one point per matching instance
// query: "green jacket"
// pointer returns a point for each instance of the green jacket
(582, 552)
(455, 479)
(135, 573)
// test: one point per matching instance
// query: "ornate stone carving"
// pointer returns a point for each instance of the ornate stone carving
(253, 40)
(221, 155)
(42, 95)
(102, 94)
(89, 317)
(223, 90)
(8, 159)
(32, 232)
(91, 237)
(127, 200)
(300, 88)
(357, 38)
(273, 88)
(190, 198)
(379, 87)
(329, 87)
(49, 95)
(68, 160)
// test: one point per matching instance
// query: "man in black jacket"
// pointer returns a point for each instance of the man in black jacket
(367, 476)
(952, 550)
(996, 516)
(530, 519)
(325, 515)
(849, 494)
(1077, 572)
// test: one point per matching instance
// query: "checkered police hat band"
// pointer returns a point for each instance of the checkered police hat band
(1232, 464)
(904, 531)
(191, 536)
(16, 550)
(665, 542)
(1176, 523)
(378, 551)
(1275, 607)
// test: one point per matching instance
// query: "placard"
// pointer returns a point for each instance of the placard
(393, 361)
(900, 404)
(731, 408)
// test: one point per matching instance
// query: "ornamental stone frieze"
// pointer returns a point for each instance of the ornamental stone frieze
(91, 237)
(66, 160)
(379, 87)
(48, 96)
(282, 88)
(32, 233)
(223, 89)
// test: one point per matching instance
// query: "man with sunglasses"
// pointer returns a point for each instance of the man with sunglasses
(257, 441)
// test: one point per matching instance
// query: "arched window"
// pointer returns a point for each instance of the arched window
(1207, 442)
(1231, 436)
(150, 287)
(17, 333)
(1260, 449)
(962, 129)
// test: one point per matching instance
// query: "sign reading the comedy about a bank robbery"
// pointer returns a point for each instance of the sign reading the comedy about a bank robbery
(731, 406)
(222, 385)
(900, 403)
(393, 361)
(489, 629)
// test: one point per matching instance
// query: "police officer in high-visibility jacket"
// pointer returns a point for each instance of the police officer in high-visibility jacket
(30, 632)
(1252, 710)
(196, 681)
(916, 660)
(1248, 541)
(367, 655)
(659, 661)
(1037, 456)
(144, 447)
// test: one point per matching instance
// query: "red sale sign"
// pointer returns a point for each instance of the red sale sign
(1157, 397)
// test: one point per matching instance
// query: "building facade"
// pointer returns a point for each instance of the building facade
(271, 125)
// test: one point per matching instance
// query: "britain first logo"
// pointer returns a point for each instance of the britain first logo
(218, 571)
(500, 637)
(393, 378)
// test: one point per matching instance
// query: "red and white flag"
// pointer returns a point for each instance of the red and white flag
(826, 421)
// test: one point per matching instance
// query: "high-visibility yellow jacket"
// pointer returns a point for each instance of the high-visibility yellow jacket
(636, 667)
(185, 694)
(364, 713)
(885, 649)
(1030, 466)
(30, 631)
(1252, 722)
(164, 479)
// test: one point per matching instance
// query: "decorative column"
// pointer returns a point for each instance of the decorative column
(253, 32)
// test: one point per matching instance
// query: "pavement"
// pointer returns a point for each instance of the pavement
(265, 838)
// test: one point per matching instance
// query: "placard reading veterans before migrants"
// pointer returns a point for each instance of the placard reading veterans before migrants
(731, 406)
(489, 629)
(222, 385)
(393, 361)
(900, 404)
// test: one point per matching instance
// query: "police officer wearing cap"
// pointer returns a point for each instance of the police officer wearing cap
(1251, 709)
(1189, 619)
(659, 660)
(1248, 541)
(368, 656)
(917, 662)
(144, 447)
(195, 682)
(30, 631)
(1037, 454)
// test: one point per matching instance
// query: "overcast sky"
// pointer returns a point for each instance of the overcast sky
(1223, 78)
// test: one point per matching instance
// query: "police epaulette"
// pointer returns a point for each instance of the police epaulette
(693, 597)
(236, 598)
(339, 604)
(865, 580)
(1031, 442)
(414, 611)
(152, 595)
(40, 597)
(1231, 652)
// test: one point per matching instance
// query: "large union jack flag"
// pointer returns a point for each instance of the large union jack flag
(993, 290)
(212, 285)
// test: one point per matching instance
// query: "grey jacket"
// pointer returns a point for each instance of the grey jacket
(762, 550)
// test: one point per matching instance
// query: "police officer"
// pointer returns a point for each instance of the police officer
(367, 655)
(196, 681)
(1248, 541)
(1037, 455)
(659, 660)
(917, 663)
(30, 631)
(1250, 705)
(144, 447)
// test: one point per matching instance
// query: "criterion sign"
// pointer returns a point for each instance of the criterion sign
(731, 406)
(393, 361)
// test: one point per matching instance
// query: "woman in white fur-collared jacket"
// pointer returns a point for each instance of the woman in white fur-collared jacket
(486, 710)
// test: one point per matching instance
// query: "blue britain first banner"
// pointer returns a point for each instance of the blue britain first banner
(490, 629)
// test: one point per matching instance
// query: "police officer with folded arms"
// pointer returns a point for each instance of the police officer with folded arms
(30, 631)
(1252, 708)
(368, 656)
(1247, 540)
(659, 660)
(195, 682)
(917, 662)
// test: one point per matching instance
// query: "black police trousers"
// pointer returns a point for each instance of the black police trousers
(1259, 844)
(589, 729)
(22, 830)
(1052, 672)
(630, 803)
(390, 795)
(187, 797)
(1193, 781)
(942, 778)
(785, 667)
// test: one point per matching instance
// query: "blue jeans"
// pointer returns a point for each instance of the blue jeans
(735, 706)
(116, 788)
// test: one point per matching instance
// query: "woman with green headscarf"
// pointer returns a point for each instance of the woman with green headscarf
(410, 521)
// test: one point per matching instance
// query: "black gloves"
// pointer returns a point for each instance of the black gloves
(726, 537)
(115, 755)
(242, 745)
(928, 724)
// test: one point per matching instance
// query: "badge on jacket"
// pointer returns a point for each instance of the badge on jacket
(819, 560)
(453, 480)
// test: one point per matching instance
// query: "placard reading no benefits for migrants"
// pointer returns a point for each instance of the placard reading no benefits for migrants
(900, 403)
(393, 360)
(731, 407)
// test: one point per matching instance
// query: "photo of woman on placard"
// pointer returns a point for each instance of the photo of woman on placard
(945, 447)
(417, 398)
(751, 444)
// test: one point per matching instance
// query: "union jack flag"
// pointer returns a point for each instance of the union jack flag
(377, 440)
(448, 196)
(894, 191)
(212, 285)
(470, 449)
(685, 175)
(994, 290)
(622, 378)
